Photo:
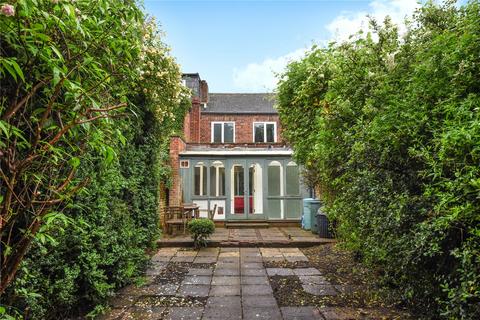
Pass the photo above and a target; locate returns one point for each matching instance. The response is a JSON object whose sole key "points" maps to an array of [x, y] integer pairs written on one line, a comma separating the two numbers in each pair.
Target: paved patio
{"points": [[221, 283], [268, 237]]}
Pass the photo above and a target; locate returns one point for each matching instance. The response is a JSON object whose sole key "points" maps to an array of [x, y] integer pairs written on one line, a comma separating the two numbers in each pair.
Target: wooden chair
{"points": [[175, 217], [211, 213]]}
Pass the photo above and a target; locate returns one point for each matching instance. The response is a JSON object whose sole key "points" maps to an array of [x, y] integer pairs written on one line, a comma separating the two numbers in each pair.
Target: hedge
{"points": [[388, 126]]}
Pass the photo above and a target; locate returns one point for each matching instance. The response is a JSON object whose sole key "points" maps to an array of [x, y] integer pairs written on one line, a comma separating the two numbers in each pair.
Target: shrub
{"points": [[390, 125], [90, 97], [201, 229]]}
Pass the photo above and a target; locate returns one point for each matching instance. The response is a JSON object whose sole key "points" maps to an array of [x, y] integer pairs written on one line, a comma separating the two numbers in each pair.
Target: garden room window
{"points": [[293, 183], [264, 132], [223, 132], [200, 179], [275, 183], [217, 179]]}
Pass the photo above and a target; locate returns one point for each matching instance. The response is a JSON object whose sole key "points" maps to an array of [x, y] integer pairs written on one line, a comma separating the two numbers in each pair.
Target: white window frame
{"points": [[223, 130], [265, 131], [202, 192], [217, 165], [184, 164]]}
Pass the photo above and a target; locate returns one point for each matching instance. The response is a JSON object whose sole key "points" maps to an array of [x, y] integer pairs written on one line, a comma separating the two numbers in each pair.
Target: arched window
{"points": [[217, 179], [293, 181], [200, 179], [275, 183]]}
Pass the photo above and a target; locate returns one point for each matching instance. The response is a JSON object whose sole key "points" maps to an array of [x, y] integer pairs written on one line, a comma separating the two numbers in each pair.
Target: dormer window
{"points": [[223, 132], [265, 132]]}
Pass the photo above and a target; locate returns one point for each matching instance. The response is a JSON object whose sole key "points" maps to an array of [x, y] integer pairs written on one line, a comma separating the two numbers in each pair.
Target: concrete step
{"points": [[246, 225]]}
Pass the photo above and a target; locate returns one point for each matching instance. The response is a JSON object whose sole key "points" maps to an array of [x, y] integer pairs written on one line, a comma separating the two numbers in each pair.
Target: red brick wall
{"points": [[177, 145], [243, 125], [195, 121]]}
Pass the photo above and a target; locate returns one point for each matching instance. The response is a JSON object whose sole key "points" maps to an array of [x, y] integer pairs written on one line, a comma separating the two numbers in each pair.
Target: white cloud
{"points": [[260, 76], [348, 23]]}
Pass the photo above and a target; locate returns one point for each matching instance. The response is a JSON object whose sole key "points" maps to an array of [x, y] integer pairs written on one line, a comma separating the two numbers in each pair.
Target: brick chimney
{"points": [[194, 113], [203, 91]]}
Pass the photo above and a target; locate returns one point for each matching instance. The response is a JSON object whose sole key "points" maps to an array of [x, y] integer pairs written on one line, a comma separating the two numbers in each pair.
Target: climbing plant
{"points": [[89, 97]]}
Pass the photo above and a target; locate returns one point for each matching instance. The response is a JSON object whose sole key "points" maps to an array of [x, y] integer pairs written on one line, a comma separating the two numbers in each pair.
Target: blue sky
{"points": [[237, 46]]}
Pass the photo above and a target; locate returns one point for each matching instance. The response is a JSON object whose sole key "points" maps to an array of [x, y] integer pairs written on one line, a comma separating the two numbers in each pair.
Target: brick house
{"points": [[231, 154]]}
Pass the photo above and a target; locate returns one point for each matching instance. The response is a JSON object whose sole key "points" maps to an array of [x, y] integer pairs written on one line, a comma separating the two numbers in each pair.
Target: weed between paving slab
{"points": [[288, 291], [170, 301]]}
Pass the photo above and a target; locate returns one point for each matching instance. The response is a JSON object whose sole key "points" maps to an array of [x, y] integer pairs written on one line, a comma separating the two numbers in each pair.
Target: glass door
{"points": [[255, 190], [238, 205], [246, 190]]}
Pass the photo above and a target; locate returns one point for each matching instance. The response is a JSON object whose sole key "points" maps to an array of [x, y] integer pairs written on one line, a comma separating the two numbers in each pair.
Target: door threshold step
{"points": [[250, 225]]}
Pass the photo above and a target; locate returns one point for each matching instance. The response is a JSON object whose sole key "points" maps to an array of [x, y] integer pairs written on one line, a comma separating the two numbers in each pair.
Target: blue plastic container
{"points": [[307, 214]]}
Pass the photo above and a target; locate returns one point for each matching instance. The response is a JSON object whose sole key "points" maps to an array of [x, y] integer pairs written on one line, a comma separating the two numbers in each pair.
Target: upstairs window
{"points": [[264, 132], [223, 132]]}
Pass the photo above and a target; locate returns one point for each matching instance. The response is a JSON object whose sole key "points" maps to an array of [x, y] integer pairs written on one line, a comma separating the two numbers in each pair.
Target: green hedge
{"points": [[87, 150], [389, 128]]}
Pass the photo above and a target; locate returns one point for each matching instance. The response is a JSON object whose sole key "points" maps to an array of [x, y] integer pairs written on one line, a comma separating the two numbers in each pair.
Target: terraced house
{"points": [[232, 155]]}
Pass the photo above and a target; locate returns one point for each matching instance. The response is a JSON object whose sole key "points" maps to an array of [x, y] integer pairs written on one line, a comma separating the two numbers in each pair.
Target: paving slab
{"points": [[184, 313], [216, 313], [254, 280], [234, 302], [296, 258], [167, 289], [257, 259], [338, 313], [252, 265], [267, 313], [272, 237], [197, 280], [228, 264], [222, 308], [306, 272], [320, 289], [225, 280], [193, 290], [279, 272], [205, 259], [183, 259], [259, 301], [223, 291], [143, 313], [301, 313], [256, 289], [313, 280], [226, 272], [254, 272], [186, 253], [200, 272]]}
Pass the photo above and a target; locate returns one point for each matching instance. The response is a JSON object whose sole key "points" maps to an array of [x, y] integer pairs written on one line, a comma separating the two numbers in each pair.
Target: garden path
{"points": [[236, 283]]}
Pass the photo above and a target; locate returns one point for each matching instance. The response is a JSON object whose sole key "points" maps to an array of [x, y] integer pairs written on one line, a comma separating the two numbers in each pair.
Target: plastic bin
{"points": [[323, 225], [307, 214], [314, 207]]}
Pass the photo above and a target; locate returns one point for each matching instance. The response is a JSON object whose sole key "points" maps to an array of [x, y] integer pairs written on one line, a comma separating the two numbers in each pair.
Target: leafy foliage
{"points": [[389, 128], [201, 230], [89, 99]]}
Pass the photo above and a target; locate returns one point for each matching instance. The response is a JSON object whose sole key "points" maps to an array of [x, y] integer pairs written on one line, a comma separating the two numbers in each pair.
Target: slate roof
{"points": [[244, 103]]}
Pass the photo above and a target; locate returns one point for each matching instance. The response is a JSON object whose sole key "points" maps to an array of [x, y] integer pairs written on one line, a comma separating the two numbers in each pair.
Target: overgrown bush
{"points": [[201, 230], [390, 126], [89, 98]]}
